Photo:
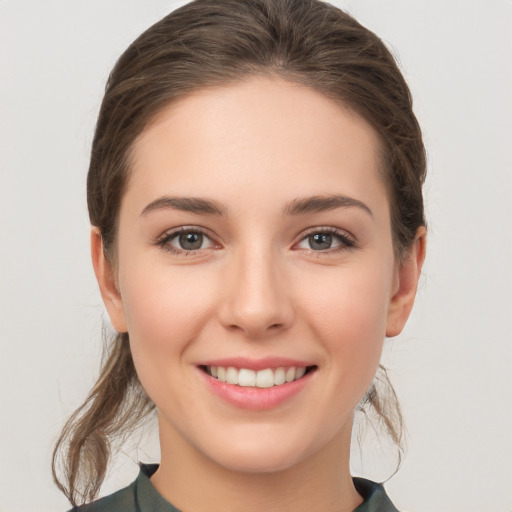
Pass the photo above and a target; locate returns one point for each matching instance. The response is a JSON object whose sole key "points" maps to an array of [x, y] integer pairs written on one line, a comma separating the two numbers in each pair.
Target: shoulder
{"points": [[120, 501], [139, 495], [374, 495]]}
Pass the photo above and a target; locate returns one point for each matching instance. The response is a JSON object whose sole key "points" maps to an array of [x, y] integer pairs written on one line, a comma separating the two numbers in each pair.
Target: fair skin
{"points": [[264, 274]]}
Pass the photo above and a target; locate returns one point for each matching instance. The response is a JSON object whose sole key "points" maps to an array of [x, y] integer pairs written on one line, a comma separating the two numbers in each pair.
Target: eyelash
{"points": [[346, 241], [167, 237]]}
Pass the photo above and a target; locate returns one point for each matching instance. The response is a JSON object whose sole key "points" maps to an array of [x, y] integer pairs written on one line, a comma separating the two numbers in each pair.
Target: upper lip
{"points": [[256, 364]]}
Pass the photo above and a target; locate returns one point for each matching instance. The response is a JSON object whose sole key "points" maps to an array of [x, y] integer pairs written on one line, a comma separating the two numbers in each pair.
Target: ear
{"points": [[107, 281], [406, 284]]}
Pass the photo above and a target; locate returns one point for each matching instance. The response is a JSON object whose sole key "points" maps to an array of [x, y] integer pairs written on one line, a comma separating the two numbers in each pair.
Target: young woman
{"points": [[258, 230]]}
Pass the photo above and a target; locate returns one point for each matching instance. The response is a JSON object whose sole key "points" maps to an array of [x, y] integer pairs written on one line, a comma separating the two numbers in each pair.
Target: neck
{"points": [[191, 481]]}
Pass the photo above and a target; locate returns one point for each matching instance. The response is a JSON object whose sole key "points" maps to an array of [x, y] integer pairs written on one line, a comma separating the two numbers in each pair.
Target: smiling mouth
{"points": [[265, 378]]}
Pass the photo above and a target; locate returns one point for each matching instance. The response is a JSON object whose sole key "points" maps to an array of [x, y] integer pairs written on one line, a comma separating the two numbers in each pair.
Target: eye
{"points": [[190, 241], [326, 240], [185, 240]]}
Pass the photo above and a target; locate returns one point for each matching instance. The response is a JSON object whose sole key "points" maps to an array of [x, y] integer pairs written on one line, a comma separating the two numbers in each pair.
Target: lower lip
{"points": [[253, 398]]}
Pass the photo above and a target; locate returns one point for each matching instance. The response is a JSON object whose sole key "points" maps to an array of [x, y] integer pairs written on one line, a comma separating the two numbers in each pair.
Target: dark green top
{"points": [[141, 496]]}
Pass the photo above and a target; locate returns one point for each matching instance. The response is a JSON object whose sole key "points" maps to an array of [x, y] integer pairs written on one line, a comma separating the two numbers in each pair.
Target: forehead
{"points": [[262, 135]]}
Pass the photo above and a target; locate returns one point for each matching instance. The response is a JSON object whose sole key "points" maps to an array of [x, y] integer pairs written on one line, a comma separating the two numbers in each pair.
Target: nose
{"points": [[256, 299]]}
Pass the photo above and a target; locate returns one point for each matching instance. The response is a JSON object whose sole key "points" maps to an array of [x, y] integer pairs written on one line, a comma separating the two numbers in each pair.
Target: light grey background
{"points": [[452, 365]]}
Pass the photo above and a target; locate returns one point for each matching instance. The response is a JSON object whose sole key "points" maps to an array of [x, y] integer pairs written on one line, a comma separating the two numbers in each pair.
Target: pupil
{"points": [[191, 241], [320, 241]]}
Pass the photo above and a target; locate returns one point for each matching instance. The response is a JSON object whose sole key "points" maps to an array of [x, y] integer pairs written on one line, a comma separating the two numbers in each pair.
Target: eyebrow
{"points": [[298, 206], [316, 204], [187, 204]]}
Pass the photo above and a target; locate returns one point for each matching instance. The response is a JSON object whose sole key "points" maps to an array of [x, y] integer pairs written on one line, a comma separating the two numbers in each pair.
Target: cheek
{"points": [[165, 311], [349, 315], [352, 300]]}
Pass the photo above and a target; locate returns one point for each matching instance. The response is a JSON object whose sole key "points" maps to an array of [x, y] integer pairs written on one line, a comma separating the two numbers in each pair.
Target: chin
{"points": [[247, 462], [262, 453]]}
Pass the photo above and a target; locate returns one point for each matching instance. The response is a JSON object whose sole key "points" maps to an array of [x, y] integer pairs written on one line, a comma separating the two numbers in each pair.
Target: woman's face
{"points": [[254, 245]]}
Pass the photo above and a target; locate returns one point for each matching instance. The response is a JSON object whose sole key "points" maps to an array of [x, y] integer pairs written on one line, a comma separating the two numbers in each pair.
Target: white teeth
{"points": [[232, 375], [299, 372], [290, 374], [261, 379], [279, 377], [246, 378], [265, 378]]}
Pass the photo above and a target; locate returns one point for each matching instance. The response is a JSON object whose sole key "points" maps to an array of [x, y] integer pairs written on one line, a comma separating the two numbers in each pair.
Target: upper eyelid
{"points": [[326, 229], [169, 233]]}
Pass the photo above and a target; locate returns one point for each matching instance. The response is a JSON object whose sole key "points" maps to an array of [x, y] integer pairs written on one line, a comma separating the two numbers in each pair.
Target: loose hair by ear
{"points": [[381, 410], [210, 43], [116, 405]]}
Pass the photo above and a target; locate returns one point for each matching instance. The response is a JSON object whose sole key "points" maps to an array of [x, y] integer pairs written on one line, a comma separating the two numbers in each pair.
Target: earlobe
{"points": [[105, 275], [406, 285]]}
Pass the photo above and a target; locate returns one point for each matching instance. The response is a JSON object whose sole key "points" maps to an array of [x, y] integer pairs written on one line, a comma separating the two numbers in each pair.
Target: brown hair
{"points": [[208, 43]]}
